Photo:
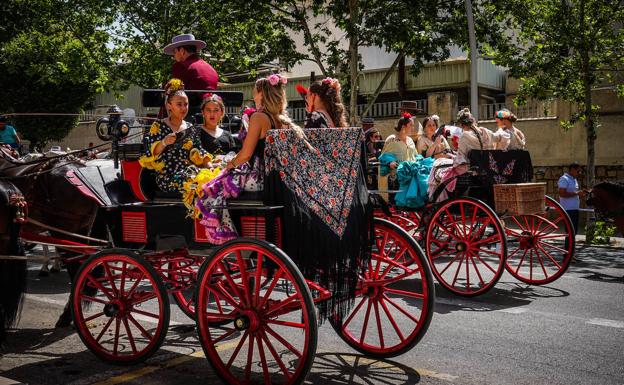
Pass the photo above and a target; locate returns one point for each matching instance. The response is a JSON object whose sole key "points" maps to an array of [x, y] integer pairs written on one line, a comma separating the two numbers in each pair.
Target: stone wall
{"points": [[551, 174]]}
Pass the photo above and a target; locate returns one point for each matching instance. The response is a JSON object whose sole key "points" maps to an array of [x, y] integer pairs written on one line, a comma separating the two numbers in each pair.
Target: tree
{"points": [[240, 36], [54, 59], [423, 30], [562, 49]]}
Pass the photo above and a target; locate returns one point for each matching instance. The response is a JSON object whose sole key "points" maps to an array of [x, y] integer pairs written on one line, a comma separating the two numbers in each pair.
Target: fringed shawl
{"points": [[327, 220]]}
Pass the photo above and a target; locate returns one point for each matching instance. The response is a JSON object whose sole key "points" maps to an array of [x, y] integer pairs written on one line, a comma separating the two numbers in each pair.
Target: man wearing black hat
{"points": [[189, 67]]}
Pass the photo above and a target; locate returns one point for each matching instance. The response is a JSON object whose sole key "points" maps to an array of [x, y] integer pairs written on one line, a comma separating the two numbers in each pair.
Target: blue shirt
{"points": [[8, 135], [570, 184]]}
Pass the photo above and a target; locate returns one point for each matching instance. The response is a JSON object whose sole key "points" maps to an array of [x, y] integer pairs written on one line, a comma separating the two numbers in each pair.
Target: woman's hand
{"points": [[393, 165], [169, 139], [230, 165]]}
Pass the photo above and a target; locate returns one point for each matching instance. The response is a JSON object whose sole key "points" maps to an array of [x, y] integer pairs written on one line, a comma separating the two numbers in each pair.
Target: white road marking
{"points": [[606, 322]]}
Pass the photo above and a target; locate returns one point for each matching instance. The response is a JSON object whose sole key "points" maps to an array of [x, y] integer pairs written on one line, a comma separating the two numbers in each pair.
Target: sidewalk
{"points": [[616, 242]]}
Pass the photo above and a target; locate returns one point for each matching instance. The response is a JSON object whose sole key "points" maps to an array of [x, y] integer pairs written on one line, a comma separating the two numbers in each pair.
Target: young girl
{"points": [[170, 145], [245, 171], [214, 139], [505, 120], [324, 105]]}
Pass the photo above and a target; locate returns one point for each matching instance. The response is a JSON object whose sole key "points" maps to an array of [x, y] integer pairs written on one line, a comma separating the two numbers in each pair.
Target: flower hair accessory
{"points": [[503, 114], [332, 82], [211, 96], [407, 115], [276, 79], [435, 117], [173, 86], [248, 111]]}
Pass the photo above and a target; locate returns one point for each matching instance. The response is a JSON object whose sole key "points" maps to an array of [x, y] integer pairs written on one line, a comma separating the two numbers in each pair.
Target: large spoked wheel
{"points": [[120, 307], [466, 246], [394, 299], [270, 328], [541, 247]]}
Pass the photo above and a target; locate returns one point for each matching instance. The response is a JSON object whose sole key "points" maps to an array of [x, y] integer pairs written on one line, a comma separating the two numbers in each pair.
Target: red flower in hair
{"points": [[407, 115], [301, 90], [248, 111], [207, 95]]}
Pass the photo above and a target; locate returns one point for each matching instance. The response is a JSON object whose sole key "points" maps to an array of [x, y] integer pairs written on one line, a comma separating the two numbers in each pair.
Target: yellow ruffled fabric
{"points": [[151, 162], [193, 189], [154, 129], [196, 157]]}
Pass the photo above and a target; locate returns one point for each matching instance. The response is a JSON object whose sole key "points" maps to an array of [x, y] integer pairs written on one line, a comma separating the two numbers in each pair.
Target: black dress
{"points": [[220, 145]]}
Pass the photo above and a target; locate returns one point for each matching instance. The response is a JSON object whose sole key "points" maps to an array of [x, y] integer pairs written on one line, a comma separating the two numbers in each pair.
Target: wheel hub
{"points": [[461, 247], [248, 320], [111, 309], [527, 240]]}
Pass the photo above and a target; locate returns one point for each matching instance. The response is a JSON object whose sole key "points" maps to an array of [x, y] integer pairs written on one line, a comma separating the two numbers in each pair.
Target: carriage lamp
{"points": [[112, 127]]}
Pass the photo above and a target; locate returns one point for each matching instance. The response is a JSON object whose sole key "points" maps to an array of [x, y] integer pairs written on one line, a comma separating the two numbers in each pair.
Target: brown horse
{"points": [[52, 200], [607, 198]]}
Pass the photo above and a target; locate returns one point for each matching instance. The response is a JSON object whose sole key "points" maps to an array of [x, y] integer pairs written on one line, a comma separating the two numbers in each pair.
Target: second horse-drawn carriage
{"points": [[494, 220]]}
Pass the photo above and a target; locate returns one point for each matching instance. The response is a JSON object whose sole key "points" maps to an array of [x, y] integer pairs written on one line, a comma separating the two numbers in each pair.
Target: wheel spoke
{"points": [[237, 349], [249, 358], [265, 369], [276, 357], [397, 330], [224, 336], [366, 317], [144, 332], [145, 297], [549, 256], [455, 258], [461, 262], [484, 263], [354, 312], [147, 314], [450, 234], [539, 259], [110, 278], [258, 276], [230, 281], [284, 342], [245, 278], [97, 315], [98, 285], [267, 294], [399, 308], [405, 293], [553, 247], [116, 342], [379, 332], [104, 329], [477, 270], [521, 260], [280, 305], [130, 337], [92, 299], [287, 323]]}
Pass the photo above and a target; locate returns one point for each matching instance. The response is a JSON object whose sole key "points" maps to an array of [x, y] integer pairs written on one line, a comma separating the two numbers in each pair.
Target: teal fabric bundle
{"points": [[413, 177]]}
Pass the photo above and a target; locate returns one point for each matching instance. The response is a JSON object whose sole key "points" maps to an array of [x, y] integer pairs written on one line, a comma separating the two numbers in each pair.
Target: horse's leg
{"points": [[56, 263], [45, 271], [65, 319]]}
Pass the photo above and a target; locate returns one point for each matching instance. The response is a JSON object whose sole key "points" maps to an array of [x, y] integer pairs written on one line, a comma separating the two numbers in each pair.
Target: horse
{"points": [[13, 268], [607, 198], [52, 200]]}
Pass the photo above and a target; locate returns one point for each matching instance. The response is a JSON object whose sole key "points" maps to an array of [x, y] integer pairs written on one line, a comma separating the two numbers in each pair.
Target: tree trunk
{"points": [[383, 82], [353, 60], [590, 128]]}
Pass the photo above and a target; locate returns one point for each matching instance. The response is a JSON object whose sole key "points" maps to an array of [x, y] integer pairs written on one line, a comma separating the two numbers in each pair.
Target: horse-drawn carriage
{"points": [[493, 221], [254, 310]]}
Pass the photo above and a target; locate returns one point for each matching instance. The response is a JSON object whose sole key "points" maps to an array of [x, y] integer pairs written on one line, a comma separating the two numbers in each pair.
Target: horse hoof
{"points": [[44, 273], [63, 322]]}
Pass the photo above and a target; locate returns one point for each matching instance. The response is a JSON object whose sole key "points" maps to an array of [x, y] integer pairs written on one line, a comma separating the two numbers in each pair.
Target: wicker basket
{"points": [[520, 198]]}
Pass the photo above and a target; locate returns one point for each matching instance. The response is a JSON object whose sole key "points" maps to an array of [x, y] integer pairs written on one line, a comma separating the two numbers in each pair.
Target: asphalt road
{"points": [[568, 332]]}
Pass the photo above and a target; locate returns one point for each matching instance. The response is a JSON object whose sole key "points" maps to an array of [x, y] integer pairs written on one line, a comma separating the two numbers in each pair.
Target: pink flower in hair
{"points": [[274, 79]]}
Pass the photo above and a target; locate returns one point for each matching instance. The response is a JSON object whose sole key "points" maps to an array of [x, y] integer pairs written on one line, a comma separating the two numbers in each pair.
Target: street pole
{"points": [[472, 40]]}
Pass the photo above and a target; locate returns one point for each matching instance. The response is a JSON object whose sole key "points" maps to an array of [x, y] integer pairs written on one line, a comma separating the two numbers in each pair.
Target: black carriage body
{"points": [[161, 225]]}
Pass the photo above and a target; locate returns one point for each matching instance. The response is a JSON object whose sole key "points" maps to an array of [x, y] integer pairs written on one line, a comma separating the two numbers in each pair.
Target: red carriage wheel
{"points": [[407, 220], [541, 247], [183, 272], [120, 307], [269, 327], [394, 299], [466, 246]]}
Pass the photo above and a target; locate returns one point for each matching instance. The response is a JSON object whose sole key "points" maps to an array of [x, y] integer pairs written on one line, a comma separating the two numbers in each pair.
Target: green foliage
{"points": [[240, 36], [54, 59], [559, 48], [600, 233]]}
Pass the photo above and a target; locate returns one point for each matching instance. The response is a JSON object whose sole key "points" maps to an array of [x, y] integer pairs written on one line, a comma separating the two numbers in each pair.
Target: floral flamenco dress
{"points": [[229, 184], [175, 165]]}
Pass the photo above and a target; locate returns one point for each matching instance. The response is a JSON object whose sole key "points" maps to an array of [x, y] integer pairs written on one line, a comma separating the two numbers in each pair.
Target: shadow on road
{"points": [[347, 368], [590, 260]]}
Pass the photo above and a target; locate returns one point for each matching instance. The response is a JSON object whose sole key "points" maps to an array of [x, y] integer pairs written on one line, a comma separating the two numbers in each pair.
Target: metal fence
{"points": [[531, 110], [377, 110]]}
